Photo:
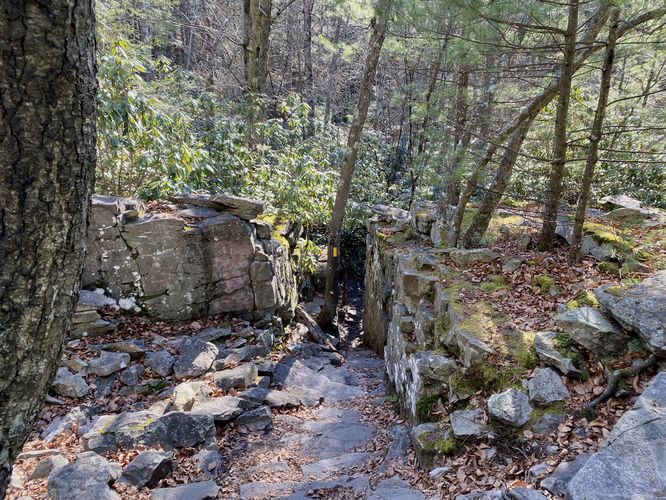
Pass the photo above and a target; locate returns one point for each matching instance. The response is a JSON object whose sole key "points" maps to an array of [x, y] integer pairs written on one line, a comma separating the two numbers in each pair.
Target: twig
{"points": [[613, 380]]}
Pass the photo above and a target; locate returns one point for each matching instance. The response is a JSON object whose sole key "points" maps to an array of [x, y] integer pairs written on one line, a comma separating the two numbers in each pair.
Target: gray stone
{"points": [[131, 375], [640, 308], [536, 472], [87, 477], [188, 394], [426, 439], [180, 430], [69, 384], [272, 398], [104, 386], [29, 455], [433, 366], [239, 377], [632, 463], [223, 409], [558, 481], [546, 387], [259, 419], [134, 348], [339, 433], [438, 472], [108, 363], [147, 468], [399, 444], [198, 212], [214, 333], [523, 493], [204, 490], [486, 495], [468, 423], [467, 258], [196, 357], [512, 264], [298, 375], [546, 351], [46, 465], [324, 467], [209, 462], [356, 486], [591, 329], [619, 201], [394, 488], [94, 300], [263, 489], [160, 362], [77, 416], [511, 407], [548, 423]]}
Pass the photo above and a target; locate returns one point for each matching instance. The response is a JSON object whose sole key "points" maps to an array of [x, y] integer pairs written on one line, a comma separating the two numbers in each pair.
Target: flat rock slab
{"points": [[632, 463], [394, 489], [223, 409], [356, 486], [196, 358], [87, 477], [324, 467], [204, 490], [108, 363], [295, 374], [546, 351], [263, 489], [640, 308]]}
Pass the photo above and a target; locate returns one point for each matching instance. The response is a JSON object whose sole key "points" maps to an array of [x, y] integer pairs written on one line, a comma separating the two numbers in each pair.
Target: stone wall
{"points": [[201, 255]]}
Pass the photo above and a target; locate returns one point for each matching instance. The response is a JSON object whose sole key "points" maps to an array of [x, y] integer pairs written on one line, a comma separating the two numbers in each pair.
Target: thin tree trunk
{"points": [[452, 190], [308, 5], [47, 161], [553, 194], [353, 139], [595, 138], [479, 224], [333, 69]]}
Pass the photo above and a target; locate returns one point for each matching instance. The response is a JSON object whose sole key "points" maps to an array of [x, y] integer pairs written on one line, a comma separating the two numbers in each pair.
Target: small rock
{"points": [[69, 384], [400, 443], [260, 419], [548, 423], [439, 472], [213, 333], [511, 407], [204, 490], [131, 375], [522, 493], [160, 362], [557, 482], [77, 416], [240, 377], [104, 386], [536, 472], [209, 462], [134, 348], [147, 468], [223, 409], [512, 264], [180, 430], [467, 258], [546, 351], [108, 363], [546, 387], [272, 398], [468, 423], [431, 443], [46, 465], [188, 394], [591, 329], [196, 358], [77, 365], [87, 477]]}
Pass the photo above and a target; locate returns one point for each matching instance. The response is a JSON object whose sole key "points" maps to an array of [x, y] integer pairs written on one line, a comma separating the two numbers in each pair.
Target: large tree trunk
{"points": [[257, 25], [353, 139], [560, 134], [47, 161], [595, 138]]}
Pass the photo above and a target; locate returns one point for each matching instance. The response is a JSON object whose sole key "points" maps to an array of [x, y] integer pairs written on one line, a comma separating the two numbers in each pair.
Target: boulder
{"points": [[546, 387], [548, 423], [204, 490], [639, 308], [108, 363], [431, 443], [180, 430], [131, 375], [196, 357], [619, 201], [188, 394], [632, 462], [546, 351], [160, 362], [511, 407], [468, 423], [591, 329], [433, 366], [272, 398], [89, 476], [147, 468], [69, 384], [470, 257]]}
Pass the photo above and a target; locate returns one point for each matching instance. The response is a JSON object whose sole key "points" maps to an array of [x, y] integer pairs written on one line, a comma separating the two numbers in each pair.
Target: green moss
{"points": [[545, 283], [525, 354], [493, 284], [608, 235], [485, 377], [584, 298], [540, 411], [563, 343], [609, 268], [446, 446], [424, 408]]}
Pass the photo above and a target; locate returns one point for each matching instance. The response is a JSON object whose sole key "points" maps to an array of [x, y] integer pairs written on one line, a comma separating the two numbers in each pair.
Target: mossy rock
{"points": [[608, 267], [493, 284], [424, 408], [584, 298], [544, 283]]}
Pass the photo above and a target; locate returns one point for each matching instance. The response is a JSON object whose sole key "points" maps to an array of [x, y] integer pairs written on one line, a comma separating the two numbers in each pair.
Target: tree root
{"points": [[614, 379]]}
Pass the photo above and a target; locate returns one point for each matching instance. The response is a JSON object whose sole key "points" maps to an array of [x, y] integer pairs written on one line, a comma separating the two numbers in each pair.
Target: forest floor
{"points": [[355, 444]]}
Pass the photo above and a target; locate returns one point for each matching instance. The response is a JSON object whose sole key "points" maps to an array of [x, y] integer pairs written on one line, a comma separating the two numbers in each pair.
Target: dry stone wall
{"points": [[200, 255]]}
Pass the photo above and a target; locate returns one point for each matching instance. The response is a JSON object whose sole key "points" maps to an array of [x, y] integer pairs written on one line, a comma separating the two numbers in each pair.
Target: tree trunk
{"points": [[595, 138], [560, 134], [257, 25], [349, 163], [308, 5], [47, 163], [479, 224]]}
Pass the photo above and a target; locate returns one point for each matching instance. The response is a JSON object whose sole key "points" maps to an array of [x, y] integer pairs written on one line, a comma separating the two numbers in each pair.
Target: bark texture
{"points": [[560, 133], [595, 138], [47, 162], [349, 163]]}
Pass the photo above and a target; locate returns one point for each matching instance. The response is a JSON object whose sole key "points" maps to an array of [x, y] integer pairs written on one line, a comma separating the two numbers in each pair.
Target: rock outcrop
{"points": [[205, 255]]}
